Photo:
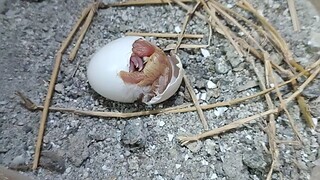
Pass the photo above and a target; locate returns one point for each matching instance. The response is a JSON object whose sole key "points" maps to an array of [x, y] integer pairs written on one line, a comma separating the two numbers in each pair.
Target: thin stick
{"points": [[301, 88], [185, 46], [224, 28], [50, 92], [291, 121], [83, 16], [196, 103], [294, 16], [27, 103], [276, 37], [46, 109], [188, 8], [83, 31], [271, 127], [164, 35], [185, 23], [225, 128], [139, 3]]}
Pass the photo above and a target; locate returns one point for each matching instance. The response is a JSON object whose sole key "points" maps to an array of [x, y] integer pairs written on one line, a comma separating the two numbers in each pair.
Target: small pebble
{"points": [[19, 160], [203, 96], [170, 137], [177, 29], [59, 88], [161, 123], [211, 85], [104, 167], [219, 111], [205, 53]]}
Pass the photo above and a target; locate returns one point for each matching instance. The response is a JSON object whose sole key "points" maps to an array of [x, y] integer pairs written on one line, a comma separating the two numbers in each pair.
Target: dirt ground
{"points": [[84, 147]]}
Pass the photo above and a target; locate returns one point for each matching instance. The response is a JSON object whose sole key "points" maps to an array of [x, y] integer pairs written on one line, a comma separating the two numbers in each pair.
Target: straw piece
{"points": [[273, 81], [50, 92], [185, 46], [83, 31], [164, 35], [28, 104], [225, 29], [140, 3], [196, 103], [275, 35], [294, 16], [304, 85], [46, 109], [188, 8], [225, 128], [185, 23]]}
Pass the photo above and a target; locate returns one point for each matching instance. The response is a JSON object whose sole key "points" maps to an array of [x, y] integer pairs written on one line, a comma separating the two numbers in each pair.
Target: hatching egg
{"points": [[130, 69]]}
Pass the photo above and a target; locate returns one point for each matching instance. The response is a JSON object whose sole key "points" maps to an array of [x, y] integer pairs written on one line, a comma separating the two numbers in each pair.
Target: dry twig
{"points": [[85, 27], [294, 16], [53, 79], [164, 35], [196, 103]]}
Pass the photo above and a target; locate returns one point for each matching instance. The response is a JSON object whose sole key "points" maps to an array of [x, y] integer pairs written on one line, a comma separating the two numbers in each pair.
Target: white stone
{"points": [[161, 123], [219, 111], [177, 29], [214, 176], [211, 85], [170, 137], [315, 122], [104, 167], [203, 96], [178, 166], [186, 157], [205, 52], [198, 96], [204, 162]]}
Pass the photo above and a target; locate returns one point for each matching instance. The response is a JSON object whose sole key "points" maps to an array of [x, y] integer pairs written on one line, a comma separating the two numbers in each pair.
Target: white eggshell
{"points": [[104, 67]]}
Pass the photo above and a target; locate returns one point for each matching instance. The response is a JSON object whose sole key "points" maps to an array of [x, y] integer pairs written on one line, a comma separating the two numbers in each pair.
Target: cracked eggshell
{"points": [[104, 67]]}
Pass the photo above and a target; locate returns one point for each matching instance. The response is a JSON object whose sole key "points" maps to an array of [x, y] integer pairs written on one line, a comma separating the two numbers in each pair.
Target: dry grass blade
{"points": [[32, 106], [28, 104], [184, 46], [276, 37], [281, 44], [45, 111], [83, 31], [164, 35], [188, 8], [304, 85], [273, 81], [140, 2], [196, 103], [217, 6], [185, 23], [226, 31], [53, 79], [294, 16], [184, 140]]}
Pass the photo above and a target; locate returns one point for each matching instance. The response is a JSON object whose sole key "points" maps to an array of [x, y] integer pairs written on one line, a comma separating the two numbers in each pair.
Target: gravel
{"points": [[84, 147]]}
